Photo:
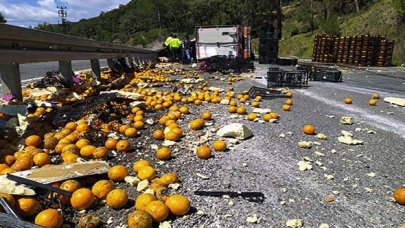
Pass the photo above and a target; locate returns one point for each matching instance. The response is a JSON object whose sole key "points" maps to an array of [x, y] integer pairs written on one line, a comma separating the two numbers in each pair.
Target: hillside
{"points": [[142, 22]]}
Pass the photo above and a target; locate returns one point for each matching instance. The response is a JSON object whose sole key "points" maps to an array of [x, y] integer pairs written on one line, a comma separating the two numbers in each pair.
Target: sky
{"points": [[27, 13]]}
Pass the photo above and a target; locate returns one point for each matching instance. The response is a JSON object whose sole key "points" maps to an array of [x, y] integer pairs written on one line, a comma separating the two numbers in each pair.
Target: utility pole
{"points": [[62, 13]]}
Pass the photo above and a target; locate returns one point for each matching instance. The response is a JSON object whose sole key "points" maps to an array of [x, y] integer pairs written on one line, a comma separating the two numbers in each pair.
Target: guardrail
{"points": [[21, 45]]}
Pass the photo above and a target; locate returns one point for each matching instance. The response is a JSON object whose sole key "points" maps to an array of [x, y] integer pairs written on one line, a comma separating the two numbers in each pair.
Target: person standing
{"points": [[166, 45], [186, 50], [175, 45]]}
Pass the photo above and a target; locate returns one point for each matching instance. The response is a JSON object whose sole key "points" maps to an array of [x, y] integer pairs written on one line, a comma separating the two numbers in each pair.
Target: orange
{"points": [[143, 200], [117, 173], [184, 110], [139, 125], [163, 153], [22, 164], [100, 152], [251, 116], [101, 188], [49, 218], [158, 135], [219, 145], [50, 143], [117, 198], [87, 151], [163, 120], [288, 102], [70, 158], [267, 117], [158, 210], [146, 172], [70, 147], [139, 164], [348, 100], [9, 198], [82, 199], [82, 142], [286, 107], [372, 102], [258, 98], [122, 128], [70, 186], [7, 170], [71, 126], [122, 145], [135, 109], [110, 143], [131, 132], [3, 166], [255, 104], [399, 195], [172, 136], [28, 206], [168, 178], [203, 152], [375, 96], [33, 140], [178, 204], [138, 118], [232, 109], [309, 129], [197, 124], [207, 116], [241, 110], [233, 103], [289, 94], [41, 159], [82, 127], [140, 219]]}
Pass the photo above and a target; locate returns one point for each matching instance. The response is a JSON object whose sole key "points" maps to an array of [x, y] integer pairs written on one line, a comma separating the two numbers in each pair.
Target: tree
{"points": [[2, 19]]}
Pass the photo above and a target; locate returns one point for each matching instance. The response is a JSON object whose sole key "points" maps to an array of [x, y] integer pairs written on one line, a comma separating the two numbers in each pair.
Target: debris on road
{"points": [[395, 101], [347, 120], [305, 144], [295, 223], [235, 130], [304, 166], [347, 138]]}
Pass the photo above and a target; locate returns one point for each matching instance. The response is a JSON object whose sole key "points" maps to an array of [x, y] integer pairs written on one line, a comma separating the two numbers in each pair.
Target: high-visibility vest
{"points": [[175, 43], [167, 42]]}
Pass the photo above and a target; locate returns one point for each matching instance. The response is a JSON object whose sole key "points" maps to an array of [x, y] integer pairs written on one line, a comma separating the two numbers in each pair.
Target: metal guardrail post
{"points": [[131, 62], [65, 67], [95, 67], [10, 74]]}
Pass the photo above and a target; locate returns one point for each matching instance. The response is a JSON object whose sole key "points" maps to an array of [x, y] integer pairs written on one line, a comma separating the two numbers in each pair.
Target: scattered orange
{"points": [[372, 102], [122, 145], [101, 188], [122, 128], [348, 100], [163, 153], [49, 218], [3, 166], [7, 170], [82, 127], [375, 96], [289, 94], [309, 129], [288, 102], [9, 198], [33, 140], [87, 151], [158, 135], [219, 145], [172, 136], [117, 198], [140, 219], [233, 103], [131, 132], [232, 109], [71, 126], [70, 186], [207, 115], [178, 204], [82, 199], [286, 107], [41, 159], [197, 124], [143, 200], [139, 164], [70, 158], [139, 125], [28, 206], [203, 152], [399, 195], [118, 173], [241, 110], [168, 178], [158, 210], [184, 110], [24, 163], [100, 152], [146, 172], [255, 104], [82, 142], [251, 116], [110, 143]]}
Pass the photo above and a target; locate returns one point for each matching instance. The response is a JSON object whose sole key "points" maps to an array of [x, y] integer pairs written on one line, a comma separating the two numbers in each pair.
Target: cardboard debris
{"points": [[395, 101], [55, 173], [192, 80], [321, 136], [304, 166], [235, 130], [215, 89], [346, 120], [262, 110], [126, 95], [294, 223], [347, 138], [305, 144], [11, 187], [140, 104], [252, 219], [224, 101]]}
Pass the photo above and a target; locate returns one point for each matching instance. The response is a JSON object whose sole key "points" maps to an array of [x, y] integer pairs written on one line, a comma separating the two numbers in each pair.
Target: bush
{"points": [[400, 7], [330, 26]]}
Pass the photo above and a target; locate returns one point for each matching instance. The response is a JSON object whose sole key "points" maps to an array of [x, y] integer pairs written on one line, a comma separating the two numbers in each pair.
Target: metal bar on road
{"points": [[95, 67]]}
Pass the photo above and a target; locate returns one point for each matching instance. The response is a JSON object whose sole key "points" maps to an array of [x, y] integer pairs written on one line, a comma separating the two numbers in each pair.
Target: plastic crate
{"points": [[329, 75]]}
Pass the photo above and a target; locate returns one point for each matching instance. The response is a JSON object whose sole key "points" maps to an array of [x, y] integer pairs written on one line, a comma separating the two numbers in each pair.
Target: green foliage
{"points": [[400, 7], [2, 19], [330, 25]]}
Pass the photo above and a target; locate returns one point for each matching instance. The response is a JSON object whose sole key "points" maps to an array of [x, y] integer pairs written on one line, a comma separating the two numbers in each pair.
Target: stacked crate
{"points": [[362, 50]]}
